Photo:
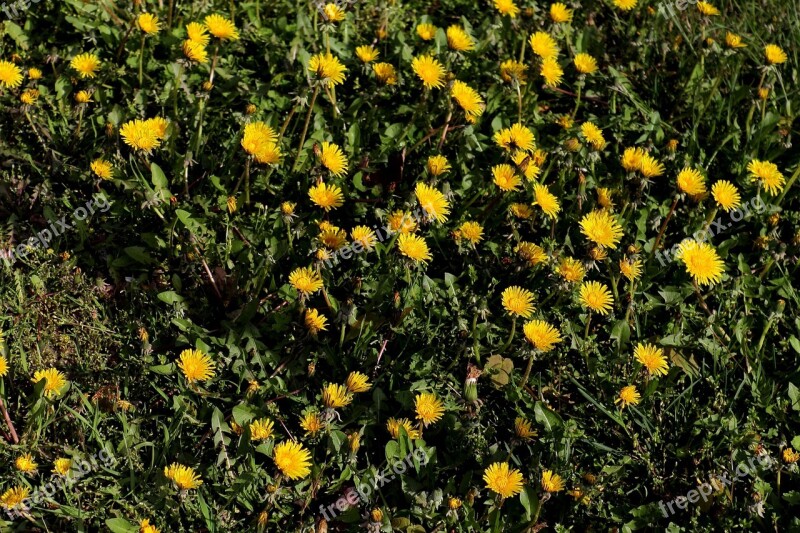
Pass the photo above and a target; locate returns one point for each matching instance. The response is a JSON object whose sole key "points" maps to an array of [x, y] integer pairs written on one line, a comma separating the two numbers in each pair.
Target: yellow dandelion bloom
{"points": [[458, 39], [195, 51], [593, 135], [790, 456], [305, 280], [335, 396], [515, 137], [402, 221], [552, 482], [292, 459], [518, 301], [10, 75], [34, 74], [14, 497], [628, 396], [525, 163], [774, 54], [83, 97], [148, 23], [543, 45], [311, 423], [393, 425], [650, 167], [625, 5], [471, 231], [767, 174], [432, 202], [546, 200], [429, 70], [86, 64], [532, 253], [385, 73], [559, 13], [523, 428], [506, 7], [333, 13], [3, 366], [102, 168], [468, 98], [707, 9], [62, 466], [585, 64], [541, 335], [146, 527], [571, 270], [327, 67], [184, 477], [261, 429], [315, 322], [726, 195], [652, 358], [365, 236], [733, 41], [551, 71], [196, 365], [414, 247], [512, 70], [632, 159], [55, 381], [601, 228], [503, 480], [140, 135], [428, 407], [691, 182], [25, 464], [29, 96], [326, 196], [523, 211], [505, 177], [358, 382], [437, 165], [332, 158], [596, 296], [426, 32], [366, 53], [197, 33], [631, 269], [221, 28], [701, 261]]}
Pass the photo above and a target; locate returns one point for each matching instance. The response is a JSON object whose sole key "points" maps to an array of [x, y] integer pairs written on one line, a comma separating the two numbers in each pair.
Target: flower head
{"points": [[650, 167], [432, 202], [55, 381], [625, 5], [530, 252], [471, 231], [184, 477], [516, 137], [305, 280], [333, 13], [85, 64], [385, 73], [358, 382], [315, 322], [148, 23], [366, 53], [511, 70], [628, 396], [327, 68], [426, 32], [503, 480], [596, 296], [29, 96], [195, 51], [546, 200], [429, 70], [468, 98], [734, 41], [312, 423], [707, 9], [393, 425], [552, 482], [541, 335], [364, 236], [332, 158], [593, 135], [602, 228], [652, 358], [221, 28], [14, 497], [146, 527], [335, 396], [196, 365], [3, 366], [518, 301], [428, 407], [326, 196], [523, 429], [701, 261], [292, 459], [551, 71], [25, 464], [790, 456], [543, 45], [585, 64], [458, 39], [774, 54], [437, 165], [10, 75], [691, 182], [631, 269], [726, 195], [62, 466], [402, 221], [505, 177], [102, 168], [140, 135], [767, 174], [559, 13], [197, 33], [414, 247], [571, 270]]}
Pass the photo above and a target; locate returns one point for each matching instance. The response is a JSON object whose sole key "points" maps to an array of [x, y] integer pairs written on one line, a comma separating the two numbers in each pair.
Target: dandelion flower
{"points": [[506, 7], [604, 198], [734, 41], [429, 70], [365, 236], [148, 23], [437, 165], [393, 425], [543, 45], [197, 33], [311, 423], [315, 322], [532, 253], [650, 167], [426, 32], [471, 231], [632, 159], [402, 221], [220, 27], [525, 163], [385, 73], [596, 296], [505, 177], [541, 335], [726, 195], [326, 196], [332, 158], [85, 64], [511, 70], [518, 301], [34, 73], [707, 9], [333, 13], [366, 53], [305, 280], [26, 464], [701, 261], [14, 497], [102, 168], [628, 396], [328, 69], [414, 247], [585, 64], [625, 5], [790, 456], [546, 200], [3, 366], [631, 269], [459, 40], [551, 71], [571, 270], [468, 98], [774, 54], [261, 429], [523, 429], [196, 365], [195, 51], [62, 466], [432, 202], [428, 407], [516, 137], [29, 96], [601, 228], [83, 97], [358, 382], [552, 482], [292, 459], [523, 211], [652, 358], [146, 527], [691, 182], [184, 477], [593, 135], [335, 396], [503, 480], [55, 381], [140, 135], [559, 13], [770, 177]]}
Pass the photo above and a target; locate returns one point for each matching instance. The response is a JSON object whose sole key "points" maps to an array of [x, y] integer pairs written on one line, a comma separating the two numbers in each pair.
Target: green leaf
{"points": [[794, 395], [547, 417], [120, 525]]}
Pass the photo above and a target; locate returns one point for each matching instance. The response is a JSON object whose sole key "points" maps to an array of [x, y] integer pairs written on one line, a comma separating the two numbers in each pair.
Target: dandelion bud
{"points": [[207, 86], [250, 109], [376, 515]]}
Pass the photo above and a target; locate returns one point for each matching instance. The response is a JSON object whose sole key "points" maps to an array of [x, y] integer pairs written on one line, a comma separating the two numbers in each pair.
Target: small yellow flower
{"points": [[335, 396], [625, 5], [195, 51], [3, 366], [146, 527], [515, 137], [767, 174], [512, 70], [707, 9], [652, 358], [85, 64], [790, 456], [650, 167], [197, 33], [774, 54], [102, 168], [428, 407], [221, 28], [315, 322], [366, 53], [311, 423], [471, 231], [628, 396], [414, 247], [559, 13], [26, 464], [505, 177], [506, 7], [585, 64], [358, 382], [55, 381], [29, 96], [523, 211], [141, 135], [726, 195], [148, 23], [631, 269], [503, 480], [518, 301], [14, 497], [543, 45], [393, 425], [332, 158], [701, 261], [532, 253], [691, 182], [546, 200], [184, 477], [429, 70], [292, 459], [326, 196], [458, 39], [437, 165], [468, 98], [261, 429], [733, 41], [432, 202], [333, 13], [83, 97], [593, 135], [305, 280], [402, 221], [552, 482], [453, 503], [34, 74], [601, 228], [551, 71], [541, 335], [596, 296], [365, 236], [196, 365], [522, 428], [385, 73], [426, 32], [328, 69]]}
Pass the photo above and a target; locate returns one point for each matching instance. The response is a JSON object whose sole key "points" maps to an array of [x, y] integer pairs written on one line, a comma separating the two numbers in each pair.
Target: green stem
{"points": [[141, 60], [247, 182], [305, 128], [510, 336]]}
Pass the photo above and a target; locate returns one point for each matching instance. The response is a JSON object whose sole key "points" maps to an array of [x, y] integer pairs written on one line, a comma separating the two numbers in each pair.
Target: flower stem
{"points": [[305, 128], [141, 60], [664, 226]]}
